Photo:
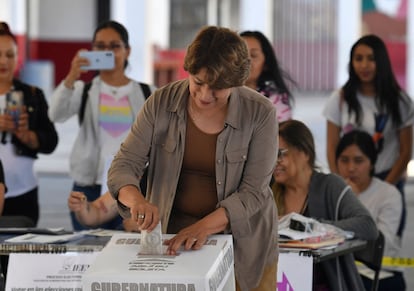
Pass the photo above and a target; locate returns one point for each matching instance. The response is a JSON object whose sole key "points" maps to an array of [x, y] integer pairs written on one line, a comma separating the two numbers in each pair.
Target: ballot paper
{"points": [[151, 242]]}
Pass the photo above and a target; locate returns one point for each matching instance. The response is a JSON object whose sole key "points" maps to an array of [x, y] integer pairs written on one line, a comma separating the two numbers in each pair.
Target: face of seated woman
{"points": [[355, 167], [291, 164]]}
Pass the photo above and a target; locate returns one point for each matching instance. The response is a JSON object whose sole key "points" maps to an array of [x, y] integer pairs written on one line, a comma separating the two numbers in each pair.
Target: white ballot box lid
{"points": [[120, 265]]}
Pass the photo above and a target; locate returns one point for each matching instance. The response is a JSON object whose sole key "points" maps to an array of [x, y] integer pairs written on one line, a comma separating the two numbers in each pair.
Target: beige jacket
{"points": [[245, 158]]}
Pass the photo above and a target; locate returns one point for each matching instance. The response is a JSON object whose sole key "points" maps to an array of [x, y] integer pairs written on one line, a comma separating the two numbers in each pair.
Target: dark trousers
{"points": [[92, 193], [23, 205]]}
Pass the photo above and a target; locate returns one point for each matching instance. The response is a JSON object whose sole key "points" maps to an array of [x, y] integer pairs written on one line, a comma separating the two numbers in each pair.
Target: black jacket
{"points": [[39, 122]]}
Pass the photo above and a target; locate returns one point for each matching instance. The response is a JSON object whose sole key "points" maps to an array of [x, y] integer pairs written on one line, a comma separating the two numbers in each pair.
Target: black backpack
{"points": [[145, 88]]}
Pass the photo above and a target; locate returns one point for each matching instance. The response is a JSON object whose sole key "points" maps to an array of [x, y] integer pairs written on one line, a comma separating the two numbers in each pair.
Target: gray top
{"points": [[332, 201]]}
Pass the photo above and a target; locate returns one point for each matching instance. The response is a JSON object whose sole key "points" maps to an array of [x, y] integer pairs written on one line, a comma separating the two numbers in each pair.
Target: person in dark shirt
{"points": [[26, 130]]}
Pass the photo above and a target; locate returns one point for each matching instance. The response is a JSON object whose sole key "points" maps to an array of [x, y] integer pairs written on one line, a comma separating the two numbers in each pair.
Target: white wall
{"points": [[257, 15], [349, 30], [14, 13], [62, 20]]}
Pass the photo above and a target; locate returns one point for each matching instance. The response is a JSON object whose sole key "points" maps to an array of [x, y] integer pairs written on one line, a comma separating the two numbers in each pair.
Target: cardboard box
{"points": [[119, 266]]}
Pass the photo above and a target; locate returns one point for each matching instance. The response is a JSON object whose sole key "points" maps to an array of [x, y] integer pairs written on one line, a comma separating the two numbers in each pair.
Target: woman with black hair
{"points": [[371, 100], [26, 132], [356, 156], [302, 188], [266, 76], [106, 111]]}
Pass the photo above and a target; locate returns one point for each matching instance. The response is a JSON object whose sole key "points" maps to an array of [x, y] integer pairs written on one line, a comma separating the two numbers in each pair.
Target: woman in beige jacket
{"points": [[211, 145]]}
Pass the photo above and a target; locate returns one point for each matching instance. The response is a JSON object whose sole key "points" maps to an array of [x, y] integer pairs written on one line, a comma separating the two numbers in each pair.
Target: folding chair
{"points": [[371, 257]]}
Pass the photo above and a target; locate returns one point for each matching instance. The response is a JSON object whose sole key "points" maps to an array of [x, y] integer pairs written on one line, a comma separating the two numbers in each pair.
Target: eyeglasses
{"points": [[113, 46], [281, 153]]}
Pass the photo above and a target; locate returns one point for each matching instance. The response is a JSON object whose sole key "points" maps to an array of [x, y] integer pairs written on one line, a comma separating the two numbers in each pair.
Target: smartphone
{"points": [[98, 60], [14, 104]]}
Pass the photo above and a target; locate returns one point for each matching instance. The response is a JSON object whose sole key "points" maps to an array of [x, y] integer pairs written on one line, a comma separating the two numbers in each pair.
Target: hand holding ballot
{"points": [[144, 213]]}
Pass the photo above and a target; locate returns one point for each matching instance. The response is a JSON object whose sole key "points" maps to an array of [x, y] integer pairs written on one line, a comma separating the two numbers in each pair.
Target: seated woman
{"points": [[355, 160], [302, 189]]}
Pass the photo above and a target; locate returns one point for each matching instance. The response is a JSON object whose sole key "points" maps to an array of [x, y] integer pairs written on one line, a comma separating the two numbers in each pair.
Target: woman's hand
{"points": [[191, 237], [7, 123], [194, 236], [75, 69], [77, 202], [142, 212], [22, 132]]}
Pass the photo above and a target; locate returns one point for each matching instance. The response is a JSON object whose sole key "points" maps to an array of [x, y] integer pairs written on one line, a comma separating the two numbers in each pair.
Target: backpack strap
{"points": [[146, 89], [83, 102]]}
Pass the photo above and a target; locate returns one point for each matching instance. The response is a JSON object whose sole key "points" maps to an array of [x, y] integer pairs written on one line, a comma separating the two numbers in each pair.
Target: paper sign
{"points": [[294, 272], [41, 272]]}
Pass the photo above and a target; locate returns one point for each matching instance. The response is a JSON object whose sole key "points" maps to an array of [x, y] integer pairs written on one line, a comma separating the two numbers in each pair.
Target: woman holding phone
{"points": [[25, 131], [106, 107]]}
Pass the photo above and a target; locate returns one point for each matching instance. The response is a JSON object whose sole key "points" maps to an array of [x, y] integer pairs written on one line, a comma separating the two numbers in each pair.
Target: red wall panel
{"points": [[60, 53]]}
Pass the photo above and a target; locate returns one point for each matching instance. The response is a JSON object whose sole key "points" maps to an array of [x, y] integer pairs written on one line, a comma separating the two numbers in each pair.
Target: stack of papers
{"points": [[298, 231], [312, 243], [44, 238], [23, 230]]}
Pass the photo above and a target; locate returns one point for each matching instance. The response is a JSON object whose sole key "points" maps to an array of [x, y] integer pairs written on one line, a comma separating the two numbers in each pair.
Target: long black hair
{"points": [[388, 91], [271, 70]]}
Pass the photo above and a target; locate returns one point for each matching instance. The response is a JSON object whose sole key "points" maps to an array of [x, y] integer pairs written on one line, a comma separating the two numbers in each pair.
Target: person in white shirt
{"points": [[372, 100], [355, 160], [106, 115]]}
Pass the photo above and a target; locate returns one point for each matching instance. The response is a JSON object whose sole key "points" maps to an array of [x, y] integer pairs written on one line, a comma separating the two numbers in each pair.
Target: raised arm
{"points": [[92, 213]]}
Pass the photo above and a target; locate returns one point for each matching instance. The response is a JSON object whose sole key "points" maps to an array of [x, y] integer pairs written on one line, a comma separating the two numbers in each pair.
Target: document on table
{"points": [[44, 238]]}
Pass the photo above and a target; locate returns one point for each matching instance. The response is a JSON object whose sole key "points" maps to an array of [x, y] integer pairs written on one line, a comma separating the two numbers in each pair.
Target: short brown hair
{"points": [[224, 55]]}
